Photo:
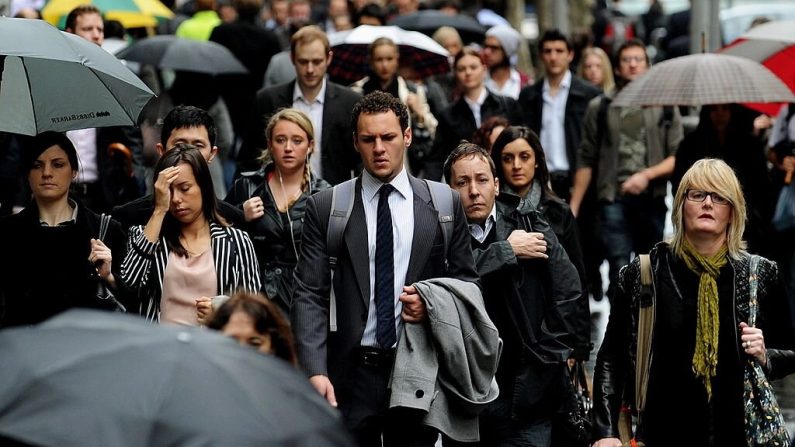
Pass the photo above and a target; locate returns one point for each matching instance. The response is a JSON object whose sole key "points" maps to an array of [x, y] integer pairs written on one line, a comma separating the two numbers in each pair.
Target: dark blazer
{"points": [[531, 105], [332, 354], [340, 159]]}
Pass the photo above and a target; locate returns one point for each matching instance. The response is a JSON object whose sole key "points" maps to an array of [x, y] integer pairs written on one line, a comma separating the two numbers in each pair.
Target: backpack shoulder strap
{"points": [[645, 329], [341, 206], [442, 198], [601, 119]]}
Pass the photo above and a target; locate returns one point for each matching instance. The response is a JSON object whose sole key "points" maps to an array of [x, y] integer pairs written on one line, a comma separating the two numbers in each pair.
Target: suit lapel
{"points": [[358, 245], [328, 115], [425, 226], [221, 246]]}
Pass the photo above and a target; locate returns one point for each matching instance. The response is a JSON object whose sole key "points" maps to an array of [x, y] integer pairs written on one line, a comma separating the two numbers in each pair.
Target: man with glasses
{"points": [[632, 150]]}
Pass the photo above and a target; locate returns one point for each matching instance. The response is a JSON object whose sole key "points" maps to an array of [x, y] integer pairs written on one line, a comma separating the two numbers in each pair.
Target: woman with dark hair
{"points": [[488, 132], [522, 170], [56, 257], [273, 200], [255, 321], [186, 253]]}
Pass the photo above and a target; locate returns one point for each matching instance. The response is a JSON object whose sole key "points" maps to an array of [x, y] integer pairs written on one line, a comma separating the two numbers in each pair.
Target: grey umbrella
{"points": [[176, 53], [700, 79], [90, 378], [52, 80]]}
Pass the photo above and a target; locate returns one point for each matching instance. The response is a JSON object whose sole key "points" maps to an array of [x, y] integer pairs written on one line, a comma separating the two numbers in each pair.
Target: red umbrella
{"points": [[773, 45]]}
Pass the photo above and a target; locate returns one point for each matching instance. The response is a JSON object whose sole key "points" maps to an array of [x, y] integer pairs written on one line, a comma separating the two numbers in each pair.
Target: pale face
{"points": [[186, 196], [518, 164], [311, 62], [492, 51], [382, 144], [470, 72], [51, 175], [593, 70], [196, 136], [241, 328], [280, 11], [705, 218], [384, 62], [90, 27], [300, 11], [632, 63], [556, 57], [289, 146], [471, 177]]}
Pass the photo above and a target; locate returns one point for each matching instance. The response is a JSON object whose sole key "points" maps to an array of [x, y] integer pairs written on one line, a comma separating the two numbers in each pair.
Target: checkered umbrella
{"points": [[773, 45], [700, 79], [351, 52]]}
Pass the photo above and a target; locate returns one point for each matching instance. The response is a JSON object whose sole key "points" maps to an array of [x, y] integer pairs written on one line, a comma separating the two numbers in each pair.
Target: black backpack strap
{"points": [[341, 206], [442, 198], [601, 119]]}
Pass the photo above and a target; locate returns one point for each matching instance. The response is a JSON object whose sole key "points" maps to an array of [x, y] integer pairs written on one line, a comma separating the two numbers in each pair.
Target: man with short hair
{"points": [[187, 125], [86, 21], [554, 108], [530, 288], [632, 150], [327, 105], [393, 239]]}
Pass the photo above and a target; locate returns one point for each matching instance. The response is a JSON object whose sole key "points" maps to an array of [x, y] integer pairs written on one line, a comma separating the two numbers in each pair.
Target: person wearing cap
{"points": [[499, 51]]}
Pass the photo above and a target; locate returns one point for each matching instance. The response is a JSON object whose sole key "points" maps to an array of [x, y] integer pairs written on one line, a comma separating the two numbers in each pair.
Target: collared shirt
{"points": [[401, 206], [476, 105], [72, 220], [314, 110], [85, 141], [481, 233], [510, 89], [553, 117]]}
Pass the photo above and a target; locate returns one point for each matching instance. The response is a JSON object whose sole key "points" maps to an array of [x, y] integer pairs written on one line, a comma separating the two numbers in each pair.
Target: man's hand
{"points": [[636, 184], [413, 306], [528, 245], [323, 386]]}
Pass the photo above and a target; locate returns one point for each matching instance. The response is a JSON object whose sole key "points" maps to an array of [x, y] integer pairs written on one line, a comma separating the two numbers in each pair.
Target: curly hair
{"points": [[379, 102]]}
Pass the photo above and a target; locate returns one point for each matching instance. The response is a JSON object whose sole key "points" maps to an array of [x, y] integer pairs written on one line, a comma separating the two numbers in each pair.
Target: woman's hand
{"points": [[204, 308], [253, 208], [163, 188], [753, 342], [607, 442], [102, 258]]}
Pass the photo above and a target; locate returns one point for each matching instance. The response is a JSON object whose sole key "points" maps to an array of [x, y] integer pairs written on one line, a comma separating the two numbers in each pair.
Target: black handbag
{"points": [[573, 423]]}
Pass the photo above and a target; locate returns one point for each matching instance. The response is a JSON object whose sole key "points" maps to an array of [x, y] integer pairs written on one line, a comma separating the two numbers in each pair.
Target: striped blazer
{"points": [[236, 265]]}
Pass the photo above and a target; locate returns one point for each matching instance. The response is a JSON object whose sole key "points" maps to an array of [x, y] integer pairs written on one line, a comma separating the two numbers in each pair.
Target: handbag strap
{"points": [[645, 329], [104, 223], [753, 281]]}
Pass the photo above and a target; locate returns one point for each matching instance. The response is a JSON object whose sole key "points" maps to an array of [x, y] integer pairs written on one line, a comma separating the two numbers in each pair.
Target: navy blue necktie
{"points": [[384, 272]]}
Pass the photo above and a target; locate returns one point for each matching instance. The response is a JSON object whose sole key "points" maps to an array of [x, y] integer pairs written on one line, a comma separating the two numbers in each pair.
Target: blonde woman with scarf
{"points": [[701, 339]]}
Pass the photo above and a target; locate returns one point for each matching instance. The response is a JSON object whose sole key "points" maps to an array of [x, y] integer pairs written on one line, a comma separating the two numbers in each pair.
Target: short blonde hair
{"points": [[446, 32], [608, 81], [711, 174]]}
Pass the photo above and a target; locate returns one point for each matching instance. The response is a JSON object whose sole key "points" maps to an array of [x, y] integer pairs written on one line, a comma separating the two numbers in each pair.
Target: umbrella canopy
{"points": [[351, 52], [91, 378], [52, 80], [175, 53], [700, 79], [773, 45], [131, 13], [429, 20]]}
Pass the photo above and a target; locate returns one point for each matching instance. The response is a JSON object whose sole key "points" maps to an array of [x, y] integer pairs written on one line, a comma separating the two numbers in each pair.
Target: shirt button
{"points": [[419, 394]]}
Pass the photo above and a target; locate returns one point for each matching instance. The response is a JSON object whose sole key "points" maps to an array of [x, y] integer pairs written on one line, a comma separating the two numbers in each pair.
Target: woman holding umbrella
{"points": [[187, 254], [56, 237], [273, 200]]}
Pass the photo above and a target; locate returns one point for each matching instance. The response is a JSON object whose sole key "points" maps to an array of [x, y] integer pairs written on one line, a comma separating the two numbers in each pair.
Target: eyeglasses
{"points": [[636, 59], [699, 195]]}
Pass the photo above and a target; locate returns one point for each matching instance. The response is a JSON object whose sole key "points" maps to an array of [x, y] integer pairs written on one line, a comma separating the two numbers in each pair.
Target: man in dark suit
{"points": [[392, 239], [188, 125], [554, 108], [327, 104]]}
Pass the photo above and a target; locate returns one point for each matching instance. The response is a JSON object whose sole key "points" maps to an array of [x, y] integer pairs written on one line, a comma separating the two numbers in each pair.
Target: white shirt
{"points": [[401, 206], [85, 141], [476, 105], [480, 233], [553, 133], [782, 131], [314, 110], [511, 88]]}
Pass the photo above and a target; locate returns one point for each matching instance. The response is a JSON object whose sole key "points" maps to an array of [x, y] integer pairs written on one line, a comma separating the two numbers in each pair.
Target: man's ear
{"points": [[497, 185], [160, 149], [213, 153], [407, 137]]}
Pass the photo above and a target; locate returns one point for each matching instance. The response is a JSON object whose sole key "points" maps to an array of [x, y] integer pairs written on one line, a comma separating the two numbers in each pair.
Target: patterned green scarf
{"points": [[705, 356]]}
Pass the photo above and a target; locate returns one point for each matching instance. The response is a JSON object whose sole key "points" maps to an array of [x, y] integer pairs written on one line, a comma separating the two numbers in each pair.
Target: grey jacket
{"points": [[447, 366]]}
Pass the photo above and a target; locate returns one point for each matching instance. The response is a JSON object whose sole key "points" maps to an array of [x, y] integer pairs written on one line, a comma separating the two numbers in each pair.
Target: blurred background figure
{"points": [[448, 38], [595, 67], [202, 23], [255, 321], [488, 132], [499, 51], [371, 14]]}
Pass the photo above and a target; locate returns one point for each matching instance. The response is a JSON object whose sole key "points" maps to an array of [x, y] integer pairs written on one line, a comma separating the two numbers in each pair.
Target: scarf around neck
{"points": [[705, 355]]}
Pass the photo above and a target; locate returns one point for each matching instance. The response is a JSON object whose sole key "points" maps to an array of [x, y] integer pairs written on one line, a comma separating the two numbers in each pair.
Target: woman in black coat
{"points": [[273, 200], [55, 259]]}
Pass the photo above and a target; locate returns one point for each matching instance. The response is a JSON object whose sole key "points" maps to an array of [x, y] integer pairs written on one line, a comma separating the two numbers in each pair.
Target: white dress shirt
{"points": [[476, 105], [553, 116], [480, 233], [510, 89], [85, 141], [401, 206], [314, 110]]}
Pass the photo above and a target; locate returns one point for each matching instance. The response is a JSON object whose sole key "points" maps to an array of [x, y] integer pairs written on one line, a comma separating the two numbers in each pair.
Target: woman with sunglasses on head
{"points": [[701, 339], [273, 200], [187, 253]]}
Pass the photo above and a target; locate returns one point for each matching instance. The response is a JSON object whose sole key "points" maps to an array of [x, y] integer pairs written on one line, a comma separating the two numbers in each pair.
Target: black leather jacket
{"points": [[277, 239], [614, 373]]}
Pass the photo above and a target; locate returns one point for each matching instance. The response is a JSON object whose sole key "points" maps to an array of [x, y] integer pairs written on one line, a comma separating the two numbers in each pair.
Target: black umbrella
{"points": [[176, 53], [88, 378], [429, 20]]}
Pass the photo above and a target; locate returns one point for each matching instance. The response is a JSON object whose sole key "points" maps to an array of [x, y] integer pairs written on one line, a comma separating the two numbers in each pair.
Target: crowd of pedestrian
{"points": [[424, 250]]}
